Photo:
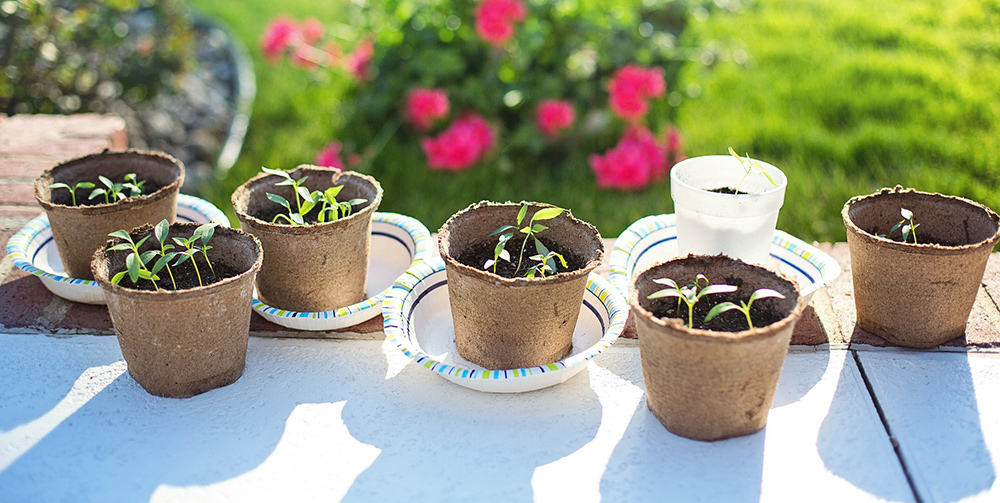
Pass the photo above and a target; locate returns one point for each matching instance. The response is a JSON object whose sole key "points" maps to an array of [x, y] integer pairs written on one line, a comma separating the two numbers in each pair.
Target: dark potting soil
{"points": [[185, 277], [62, 196], [312, 217], [762, 312], [477, 255], [723, 190]]}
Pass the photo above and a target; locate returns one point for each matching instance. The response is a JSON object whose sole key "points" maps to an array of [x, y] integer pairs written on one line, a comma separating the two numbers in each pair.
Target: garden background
{"points": [[845, 96]]}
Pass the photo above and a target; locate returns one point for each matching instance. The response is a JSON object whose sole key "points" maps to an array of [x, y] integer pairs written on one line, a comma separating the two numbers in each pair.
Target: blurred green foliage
{"points": [[844, 95], [66, 56]]}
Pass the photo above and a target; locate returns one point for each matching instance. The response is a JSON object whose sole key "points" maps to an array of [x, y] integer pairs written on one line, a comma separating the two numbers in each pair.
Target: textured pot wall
{"points": [[179, 344], [80, 230], [917, 295], [506, 323], [315, 267], [712, 385]]}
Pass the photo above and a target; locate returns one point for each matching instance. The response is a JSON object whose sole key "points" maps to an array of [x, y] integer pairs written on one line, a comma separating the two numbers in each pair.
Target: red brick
{"points": [[991, 278], [25, 166], [809, 330], [24, 213], [17, 192], [372, 326], [22, 301], [64, 136], [87, 317], [259, 324]]}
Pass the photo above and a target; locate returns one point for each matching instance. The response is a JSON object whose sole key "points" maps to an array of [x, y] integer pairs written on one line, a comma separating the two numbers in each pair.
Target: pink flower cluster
{"points": [[460, 146], [638, 159], [632, 87], [553, 116], [495, 20], [300, 42], [330, 156], [424, 106]]}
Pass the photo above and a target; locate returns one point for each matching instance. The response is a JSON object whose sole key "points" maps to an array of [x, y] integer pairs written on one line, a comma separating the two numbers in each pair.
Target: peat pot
{"points": [[707, 384], [738, 225], [509, 323], [917, 295], [184, 342], [79, 230], [317, 266]]}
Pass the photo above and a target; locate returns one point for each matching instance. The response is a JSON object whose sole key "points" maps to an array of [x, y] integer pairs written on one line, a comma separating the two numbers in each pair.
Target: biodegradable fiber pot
{"points": [[704, 384], [508, 323], [918, 295], [738, 225], [313, 267], [182, 343], [80, 230]]}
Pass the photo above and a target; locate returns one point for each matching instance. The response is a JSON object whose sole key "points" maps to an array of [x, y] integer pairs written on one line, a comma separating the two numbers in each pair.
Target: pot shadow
{"points": [[806, 379], [650, 463], [124, 444], [439, 439], [43, 383], [928, 400]]}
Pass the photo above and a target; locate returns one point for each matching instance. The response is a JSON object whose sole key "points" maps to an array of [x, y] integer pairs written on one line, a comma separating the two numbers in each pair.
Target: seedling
{"points": [[135, 262], [161, 231], [744, 307], [330, 209], [114, 192], [749, 166], [530, 231], [689, 294], [542, 267], [906, 226], [203, 234], [72, 190]]}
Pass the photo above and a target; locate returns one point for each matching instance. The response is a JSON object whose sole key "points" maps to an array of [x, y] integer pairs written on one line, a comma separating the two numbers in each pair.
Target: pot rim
{"points": [[745, 195], [250, 187], [674, 327], [919, 248], [171, 295], [559, 277], [122, 205]]}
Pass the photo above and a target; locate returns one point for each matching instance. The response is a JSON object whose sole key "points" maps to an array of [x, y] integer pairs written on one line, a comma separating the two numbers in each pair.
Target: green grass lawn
{"points": [[845, 96]]}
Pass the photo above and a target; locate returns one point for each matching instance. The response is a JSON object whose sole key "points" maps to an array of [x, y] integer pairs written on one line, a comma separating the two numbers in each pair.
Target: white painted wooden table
{"points": [[328, 420]]}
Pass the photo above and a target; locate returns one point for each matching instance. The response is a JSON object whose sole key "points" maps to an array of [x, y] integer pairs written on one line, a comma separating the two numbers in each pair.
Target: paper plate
{"points": [[33, 251], [653, 239], [417, 318], [398, 243]]}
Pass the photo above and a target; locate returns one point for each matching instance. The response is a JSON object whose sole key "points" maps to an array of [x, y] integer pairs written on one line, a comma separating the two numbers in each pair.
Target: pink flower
{"points": [[675, 146], [424, 106], [631, 87], [554, 116], [303, 57], [636, 161], [461, 145], [358, 61], [312, 30], [330, 156], [280, 34], [495, 19]]}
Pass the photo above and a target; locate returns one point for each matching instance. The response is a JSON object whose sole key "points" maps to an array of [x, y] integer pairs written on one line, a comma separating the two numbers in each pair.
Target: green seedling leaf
{"points": [[297, 218], [358, 200], [107, 183], [501, 229], [120, 246], [120, 234], [331, 193], [525, 230], [666, 292], [205, 232], [161, 230], [97, 193], [141, 241], [719, 309], [304, 192], [546, 214], [59, 186], [666, 281], [85, 185], [765, 293], [521, 213], [280, 200], [144, 274], [276, 172], [148, 255], [160, 262], [132, 266], [716, 289], [181, 258], [538, 228], [306, 206], [905, 213], [117, 278]]}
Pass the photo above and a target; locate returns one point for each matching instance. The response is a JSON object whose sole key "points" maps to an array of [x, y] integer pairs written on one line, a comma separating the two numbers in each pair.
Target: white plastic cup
{"points": [[738, 225]]}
